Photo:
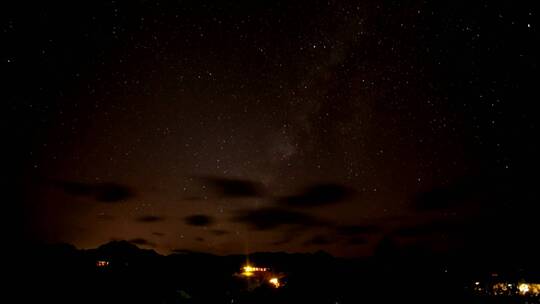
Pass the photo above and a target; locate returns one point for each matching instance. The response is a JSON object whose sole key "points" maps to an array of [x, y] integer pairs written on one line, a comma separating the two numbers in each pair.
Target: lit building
{"points": [[102, 263], [261, 275], [508, 288], [249, 270], [275, 282], [529, 289]]}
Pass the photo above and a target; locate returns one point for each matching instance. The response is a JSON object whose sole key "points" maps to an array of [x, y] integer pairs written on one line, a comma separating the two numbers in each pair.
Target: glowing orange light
{"points": [[248, 271], [529, 289], [523, 288], [274, 282]]}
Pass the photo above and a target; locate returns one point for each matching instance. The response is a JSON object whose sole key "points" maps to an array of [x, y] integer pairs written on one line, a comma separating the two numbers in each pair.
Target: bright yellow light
{"points": [[248, 271], [523, 288], [274, 282]]}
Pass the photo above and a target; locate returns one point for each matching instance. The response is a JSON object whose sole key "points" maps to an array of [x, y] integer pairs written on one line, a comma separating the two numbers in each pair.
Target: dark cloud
{"points": [[284, 240], [318, 240], [230, 187], [199, 220], [444, 197], [498, 192], [111, 192], [141, 241], [219, 232], [291, 233], [150, 219], [432, 228], [158, 233], [319, 195], [357, 241], [482, 235], [102, 192], [490, 214], [350, 230], [272, 217]]}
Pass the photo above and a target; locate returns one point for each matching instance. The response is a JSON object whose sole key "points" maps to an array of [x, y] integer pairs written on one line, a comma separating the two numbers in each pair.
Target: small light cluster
{"points": [[102, 263], [529, 289], [248, 268], [508, 289], [500, 289], [274, 282], [261, 274]]}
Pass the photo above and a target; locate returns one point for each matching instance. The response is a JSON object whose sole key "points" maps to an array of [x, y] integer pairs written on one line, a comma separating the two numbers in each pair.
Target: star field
{"points": [[271, 126]]}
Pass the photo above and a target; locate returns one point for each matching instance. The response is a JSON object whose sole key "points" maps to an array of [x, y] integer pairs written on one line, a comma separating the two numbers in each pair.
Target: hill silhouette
{"points": [[61, 273]]}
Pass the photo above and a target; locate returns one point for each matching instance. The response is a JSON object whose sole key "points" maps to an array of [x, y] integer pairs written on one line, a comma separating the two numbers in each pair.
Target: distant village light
{"points": [[275, 282], [249, 270], [526, 289], [261, 275], [102, 263], [532, 289], [523, 288]]}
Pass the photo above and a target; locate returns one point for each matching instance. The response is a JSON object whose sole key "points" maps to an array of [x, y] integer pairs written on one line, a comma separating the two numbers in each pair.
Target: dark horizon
{"points": [[387, 253], [121, 271]]}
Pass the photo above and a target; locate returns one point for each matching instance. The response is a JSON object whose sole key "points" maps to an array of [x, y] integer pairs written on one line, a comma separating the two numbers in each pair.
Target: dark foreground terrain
{"points": [[127, 274]]}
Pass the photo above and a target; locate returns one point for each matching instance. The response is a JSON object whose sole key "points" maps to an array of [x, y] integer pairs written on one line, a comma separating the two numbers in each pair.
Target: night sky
{"points": [[297, 126]]}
